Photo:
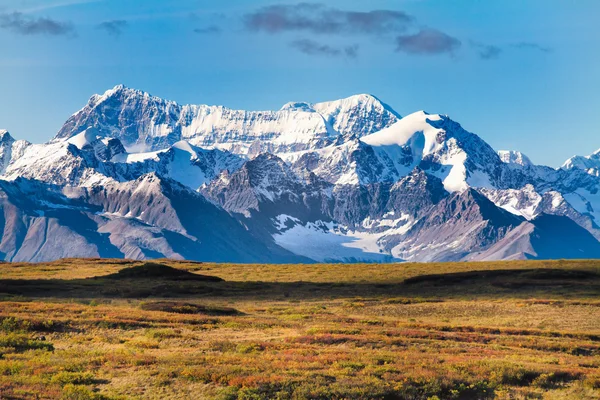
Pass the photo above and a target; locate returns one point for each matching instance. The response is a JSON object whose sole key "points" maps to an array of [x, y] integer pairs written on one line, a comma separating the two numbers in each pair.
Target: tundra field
{"points": [[115, 329]]}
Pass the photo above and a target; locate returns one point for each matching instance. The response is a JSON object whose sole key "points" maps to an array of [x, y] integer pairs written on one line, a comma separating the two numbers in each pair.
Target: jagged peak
{"points": [[149, 181], [126, 92], [514, 157], [363, 100], [5, 136], [266, 158], [587, 163], [159, 185], [152, 176]]}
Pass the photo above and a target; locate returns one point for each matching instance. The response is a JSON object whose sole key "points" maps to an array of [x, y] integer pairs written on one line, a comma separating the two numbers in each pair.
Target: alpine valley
{"points": [[135, 176]]}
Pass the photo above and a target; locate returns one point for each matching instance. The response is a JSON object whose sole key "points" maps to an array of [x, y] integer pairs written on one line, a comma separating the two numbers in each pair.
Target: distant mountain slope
{"points": [[546, 237]]}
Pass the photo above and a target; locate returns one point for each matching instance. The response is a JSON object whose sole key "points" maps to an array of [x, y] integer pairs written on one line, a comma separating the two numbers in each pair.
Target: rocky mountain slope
{"points": [[132, 175]]}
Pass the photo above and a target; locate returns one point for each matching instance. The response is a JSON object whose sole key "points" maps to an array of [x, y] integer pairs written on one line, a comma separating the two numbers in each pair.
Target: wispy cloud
{"points": [[114, 27], [320, 19], [427, 41], [351, 51], [532, 46], [492, 52], [21, 24], [486, 51], [313, 48], [208, 30]]}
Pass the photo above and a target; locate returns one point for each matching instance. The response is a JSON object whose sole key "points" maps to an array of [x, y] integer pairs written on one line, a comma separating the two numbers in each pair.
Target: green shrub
{"points": [[162, 333], [555, 379], [20, 342], [222, 346], [9, 368], [515, 375], [73, 392], [246, 348], [73, 378], [12, 324]]}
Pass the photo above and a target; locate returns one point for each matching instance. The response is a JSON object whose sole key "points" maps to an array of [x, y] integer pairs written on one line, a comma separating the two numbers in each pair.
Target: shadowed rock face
{"points": [[468, 221], [135, 176]]}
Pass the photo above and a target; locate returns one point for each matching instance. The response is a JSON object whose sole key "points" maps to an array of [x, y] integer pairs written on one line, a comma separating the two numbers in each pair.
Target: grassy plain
{"points": [[76, 329]]}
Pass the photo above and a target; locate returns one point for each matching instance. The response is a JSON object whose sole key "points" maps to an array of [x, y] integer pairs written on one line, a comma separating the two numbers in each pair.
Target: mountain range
{"points": [[135, 176]]}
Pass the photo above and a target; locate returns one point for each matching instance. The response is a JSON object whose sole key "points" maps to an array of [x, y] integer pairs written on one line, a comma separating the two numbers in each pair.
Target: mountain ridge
{"points": [[136, 176]]}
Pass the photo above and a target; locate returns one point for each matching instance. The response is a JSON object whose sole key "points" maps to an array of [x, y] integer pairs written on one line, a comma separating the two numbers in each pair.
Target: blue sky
{"points": [[523, 75]]}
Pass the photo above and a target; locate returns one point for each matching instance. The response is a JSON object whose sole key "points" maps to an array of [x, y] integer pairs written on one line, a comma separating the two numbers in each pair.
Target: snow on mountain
{"points": [[191, 165], [514, 157], [416, 138], [523, 202], [10, 149], [589, 164], [350, 163], [133, 175], [147, 123], [357, 115], [258, 185], [87, 159], [435, 143], [326, 242], [84, 139]]}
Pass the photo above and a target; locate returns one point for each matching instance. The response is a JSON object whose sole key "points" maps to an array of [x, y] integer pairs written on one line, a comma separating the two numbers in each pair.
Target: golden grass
{"points": [[354, 273], [302, 332]]}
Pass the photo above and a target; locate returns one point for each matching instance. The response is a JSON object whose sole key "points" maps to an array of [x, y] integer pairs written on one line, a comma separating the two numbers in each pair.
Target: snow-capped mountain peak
{"points": [[360, 114], [146, 123], [440, 145], [10, 149], [514, 157], [123, 92], [298, 106], [590, 164]]}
